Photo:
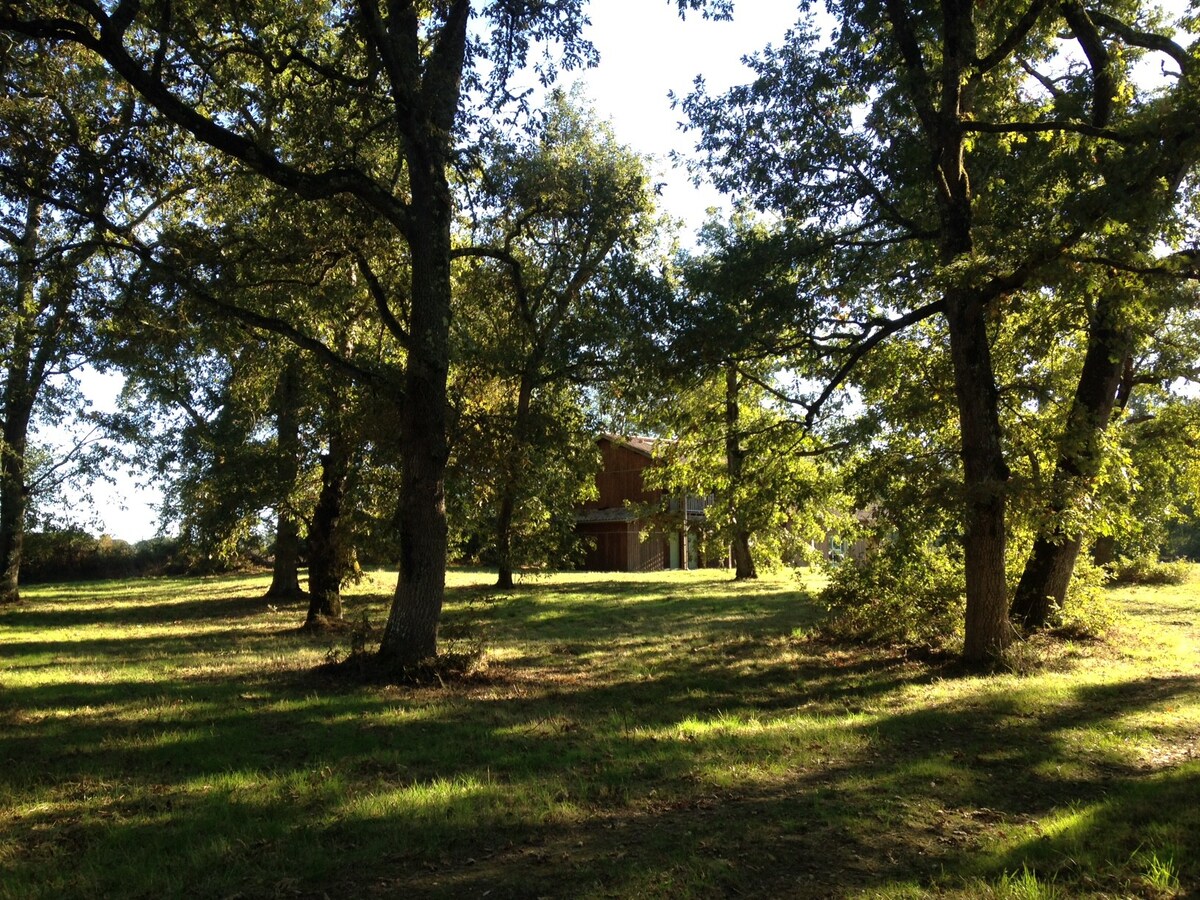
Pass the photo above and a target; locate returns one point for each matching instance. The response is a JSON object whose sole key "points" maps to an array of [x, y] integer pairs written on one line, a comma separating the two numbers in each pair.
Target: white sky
{"points": [[646, 52]]}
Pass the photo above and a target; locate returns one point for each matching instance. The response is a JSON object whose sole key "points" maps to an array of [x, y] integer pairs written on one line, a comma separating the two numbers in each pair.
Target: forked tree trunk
{"points": [[410, 635], [987, 631], [1051, 563], [285, 580]]}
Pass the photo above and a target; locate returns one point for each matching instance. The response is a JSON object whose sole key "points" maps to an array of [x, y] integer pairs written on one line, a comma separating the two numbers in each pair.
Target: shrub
{"points": [[910, 595], [1088, 610], [1149, 570]]}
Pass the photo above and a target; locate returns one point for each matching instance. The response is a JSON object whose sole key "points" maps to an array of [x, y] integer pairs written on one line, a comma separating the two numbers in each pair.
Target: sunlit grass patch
{"points": [[670, 734]]}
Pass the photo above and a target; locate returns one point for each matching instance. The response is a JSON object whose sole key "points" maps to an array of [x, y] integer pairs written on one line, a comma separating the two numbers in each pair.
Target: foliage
{"points": [[1088, 610], [783, 497], [1183, 537], [68, 143], [952, 162], [404, 94], [563, 226], [74, 555], [1153, 480], [709, 382], [909, 594], [1149, 570]]}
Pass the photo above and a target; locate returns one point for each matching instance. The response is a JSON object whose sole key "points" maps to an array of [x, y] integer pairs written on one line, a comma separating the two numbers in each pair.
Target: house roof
{"points": [[638, 443]]}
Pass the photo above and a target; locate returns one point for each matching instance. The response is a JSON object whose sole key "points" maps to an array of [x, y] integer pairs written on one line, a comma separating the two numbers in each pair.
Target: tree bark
{"points": [[24, 376], [508, 489], [410, 636], [744, 568], [14, 500], [326, 538], [985, 477], [285, 580], [1051, 563]]}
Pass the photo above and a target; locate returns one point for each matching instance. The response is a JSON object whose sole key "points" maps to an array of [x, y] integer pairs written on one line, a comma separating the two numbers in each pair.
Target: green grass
{"points": [[668, 735]]}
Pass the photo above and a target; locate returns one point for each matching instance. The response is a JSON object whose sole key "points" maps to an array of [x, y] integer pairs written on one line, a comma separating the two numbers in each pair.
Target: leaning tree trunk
{"points": [[285, 579], [743, 562], [1051, 563], [326, 556]]}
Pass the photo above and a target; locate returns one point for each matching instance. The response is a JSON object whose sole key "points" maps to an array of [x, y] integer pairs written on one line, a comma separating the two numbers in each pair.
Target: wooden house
{"points": [[620, 537]]}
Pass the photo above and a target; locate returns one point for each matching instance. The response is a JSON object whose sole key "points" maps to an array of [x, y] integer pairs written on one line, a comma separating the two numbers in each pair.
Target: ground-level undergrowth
{"points": [[666, 735]]}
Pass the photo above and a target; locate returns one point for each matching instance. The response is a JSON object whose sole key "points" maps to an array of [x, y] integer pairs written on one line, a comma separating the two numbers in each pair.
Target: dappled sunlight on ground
{"points": [[672, 734]]}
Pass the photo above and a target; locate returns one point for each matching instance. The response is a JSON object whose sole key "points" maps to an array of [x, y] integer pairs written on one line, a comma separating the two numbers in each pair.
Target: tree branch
{"points": [[857, 353], [900, 18], [514, 266], [1088, 36], [1144, 39], [381, 299], [109, 46], [1044, 127], [1013, 39]]}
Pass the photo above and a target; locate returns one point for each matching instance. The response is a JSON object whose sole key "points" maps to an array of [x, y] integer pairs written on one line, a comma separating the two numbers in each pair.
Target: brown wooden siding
{"points": [[619, 547], [620, 478]]}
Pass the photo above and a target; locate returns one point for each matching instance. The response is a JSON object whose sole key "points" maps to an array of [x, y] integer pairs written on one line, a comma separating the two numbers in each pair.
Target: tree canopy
{"points": [[961, 272]]}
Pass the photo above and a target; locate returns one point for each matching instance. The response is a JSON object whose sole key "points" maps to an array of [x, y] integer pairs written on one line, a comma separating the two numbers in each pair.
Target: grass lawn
{"points": [[666, 735]]}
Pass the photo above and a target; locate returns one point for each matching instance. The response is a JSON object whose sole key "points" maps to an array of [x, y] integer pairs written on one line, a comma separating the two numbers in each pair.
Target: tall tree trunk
{"points": [[508, 489], [23, 378], [326, 541], [985, 477], [1051, 562], [942, 104], [14, 501], [744, 568], [285, 581], [410, 636]]}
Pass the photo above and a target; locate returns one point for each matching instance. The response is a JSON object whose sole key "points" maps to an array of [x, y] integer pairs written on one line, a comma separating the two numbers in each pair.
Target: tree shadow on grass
{"points": [[588, 617], [915, 807], [628, 807], [730, 764], [213, 606]]}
